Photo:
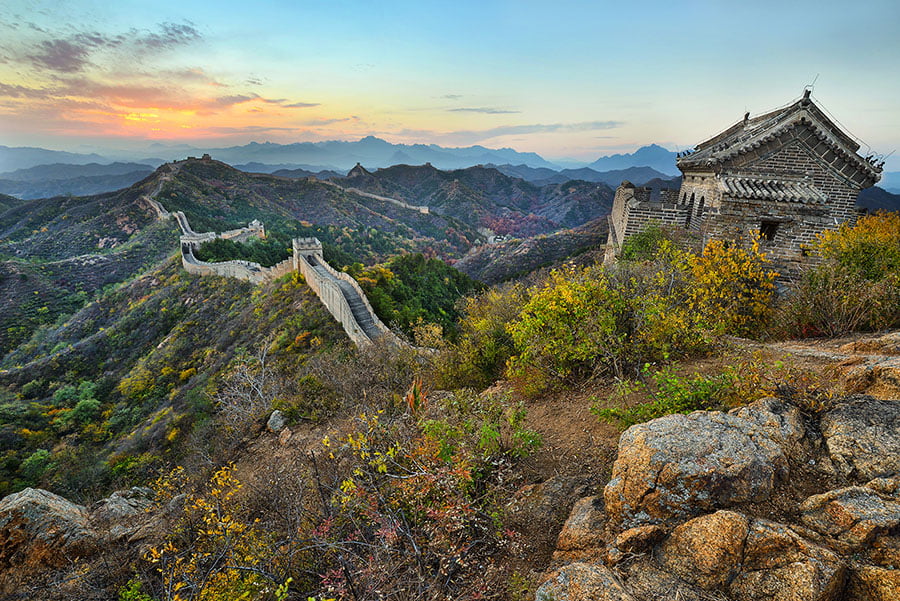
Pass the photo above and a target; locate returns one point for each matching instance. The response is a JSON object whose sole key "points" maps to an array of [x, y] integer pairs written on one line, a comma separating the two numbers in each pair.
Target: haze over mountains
{"points": [[30, 173], [37, 173]]}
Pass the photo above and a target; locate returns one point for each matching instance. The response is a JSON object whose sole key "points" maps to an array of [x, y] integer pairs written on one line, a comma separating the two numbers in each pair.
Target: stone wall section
{"points": [[633, 211], [418, 208], [242, 270], [335, 289], [307, 256]]}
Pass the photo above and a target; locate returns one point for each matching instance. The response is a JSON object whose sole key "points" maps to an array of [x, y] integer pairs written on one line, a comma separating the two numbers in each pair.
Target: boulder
{"points": [[276, 422], [648, 581], [780, 421], [120, 515], [679, 466], [582, 582], [751, 559], [885, 551], [862, 435], [853, 515], [779, 565], [39, 531], [873, 583], [706, 551], [639, 538], [547, 502], [581, 535], [636, 540]]}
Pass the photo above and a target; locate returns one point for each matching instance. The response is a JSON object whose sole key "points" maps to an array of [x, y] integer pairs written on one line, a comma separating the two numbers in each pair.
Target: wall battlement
{"points": [[338, 291], [340, 294]]}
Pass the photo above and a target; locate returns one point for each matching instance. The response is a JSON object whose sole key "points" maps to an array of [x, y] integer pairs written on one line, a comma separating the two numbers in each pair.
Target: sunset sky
{"points": [[564, 79]]}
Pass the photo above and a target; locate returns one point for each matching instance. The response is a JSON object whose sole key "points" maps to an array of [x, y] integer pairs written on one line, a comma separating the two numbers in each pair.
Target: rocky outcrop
{"points": [[120, 516], [778, 564], [751, 559], [853, 515], [683, 465], [863, 437], [40, 531], [580, 537], [581, 581], [707, 551], [688, 511]]}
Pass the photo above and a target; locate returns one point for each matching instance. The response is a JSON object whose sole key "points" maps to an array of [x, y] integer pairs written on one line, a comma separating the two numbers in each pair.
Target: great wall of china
{"points": [[338, 291]]}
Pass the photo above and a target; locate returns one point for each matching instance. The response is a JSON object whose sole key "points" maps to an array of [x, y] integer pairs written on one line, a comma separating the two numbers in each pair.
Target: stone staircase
{"points": [[361, 313]]}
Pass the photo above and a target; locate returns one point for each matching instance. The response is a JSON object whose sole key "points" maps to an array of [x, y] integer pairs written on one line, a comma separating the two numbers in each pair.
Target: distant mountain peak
{"points": [[652, 155], [358, 171]]}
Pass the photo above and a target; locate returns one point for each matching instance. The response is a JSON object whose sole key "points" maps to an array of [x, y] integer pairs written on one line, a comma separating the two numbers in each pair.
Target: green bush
{"points": [[490, 425], [671, 394], [644, 245], [592, 322], [276, 247], [410, 288], [478, 357], [854, 287], [35, 465]]}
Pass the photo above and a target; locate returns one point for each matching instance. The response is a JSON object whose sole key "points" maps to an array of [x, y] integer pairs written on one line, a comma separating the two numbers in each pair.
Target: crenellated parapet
{"points": [[340, 294], [338, 291]]}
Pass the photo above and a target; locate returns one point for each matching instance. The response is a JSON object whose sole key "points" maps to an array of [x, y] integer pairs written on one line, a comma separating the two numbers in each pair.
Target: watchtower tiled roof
{"points": [[772, 189], [750, 134]]}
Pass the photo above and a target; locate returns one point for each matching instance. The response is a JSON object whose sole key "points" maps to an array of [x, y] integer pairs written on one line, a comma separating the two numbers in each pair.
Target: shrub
{"points": [[484, 345], [490, 425], [84, 412], [644, 245], [870, 247], [216, 552], [415, 498], [854, 287], [35, 465], [738, 383], [592, 322], [831, 300], [569, 327], [732, 287], [671, 394]]}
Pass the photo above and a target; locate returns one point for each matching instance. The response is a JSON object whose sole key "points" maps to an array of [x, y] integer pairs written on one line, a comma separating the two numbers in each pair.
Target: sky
{"points": [[565, 79]]}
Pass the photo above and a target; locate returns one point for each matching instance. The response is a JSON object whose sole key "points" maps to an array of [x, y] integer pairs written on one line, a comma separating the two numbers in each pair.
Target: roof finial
{"points": [[746, 117], [807, 90]]}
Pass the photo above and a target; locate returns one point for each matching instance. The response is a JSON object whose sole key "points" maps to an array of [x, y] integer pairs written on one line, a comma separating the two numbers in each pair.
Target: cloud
{"points": [[74, 53], [484, 109], [249, 129], [17, 91], [64, 56], [538, 128], [241, 98], [254, 81], [170, 35], [232, 100], [328, 121], [452, 96], [473, 136]]}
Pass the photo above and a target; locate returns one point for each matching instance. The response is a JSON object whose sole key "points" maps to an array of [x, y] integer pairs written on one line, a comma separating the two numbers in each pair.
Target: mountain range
{"points": [[40, 173], [336, 155]]}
